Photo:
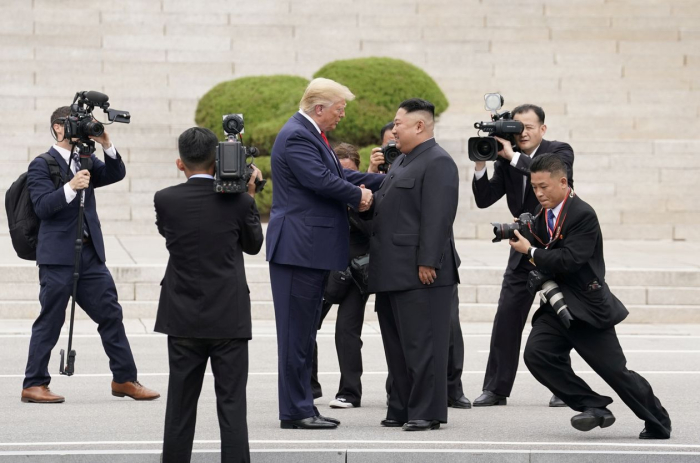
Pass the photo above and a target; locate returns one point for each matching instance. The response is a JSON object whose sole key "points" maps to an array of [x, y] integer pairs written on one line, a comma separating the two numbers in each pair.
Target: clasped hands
{"points": [[367, 198]]}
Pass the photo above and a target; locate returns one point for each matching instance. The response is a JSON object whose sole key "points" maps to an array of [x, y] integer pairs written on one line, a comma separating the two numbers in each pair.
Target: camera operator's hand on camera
{"points": [[426, 275], [80, 181], [256, 175], [375, 159], [521, 244], [103, 140], [507, 151], [366, 201]]}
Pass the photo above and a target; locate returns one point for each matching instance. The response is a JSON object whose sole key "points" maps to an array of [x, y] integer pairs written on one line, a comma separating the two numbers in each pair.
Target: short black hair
{"points": [[388, 126], [58, 117], [418, 104], [197, 147], [523, 108], [549, 162]]}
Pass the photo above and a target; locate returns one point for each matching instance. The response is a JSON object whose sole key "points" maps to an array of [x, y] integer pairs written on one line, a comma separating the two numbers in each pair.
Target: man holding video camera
{"points": [[511, 178], [569, 252], [204, 303], [57, 208]]}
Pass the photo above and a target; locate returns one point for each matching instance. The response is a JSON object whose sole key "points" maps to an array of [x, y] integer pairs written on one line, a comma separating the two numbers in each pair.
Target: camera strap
{"points": [[561, 218]]}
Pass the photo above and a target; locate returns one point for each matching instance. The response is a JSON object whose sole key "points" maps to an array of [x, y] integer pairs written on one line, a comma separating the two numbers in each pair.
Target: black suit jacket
{"points": [[508, 180], [413, 213], [576, 260], [204, 292]]}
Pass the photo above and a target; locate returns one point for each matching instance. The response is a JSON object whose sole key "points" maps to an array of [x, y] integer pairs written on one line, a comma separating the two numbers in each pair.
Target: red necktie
{"points": [[323, 135]]}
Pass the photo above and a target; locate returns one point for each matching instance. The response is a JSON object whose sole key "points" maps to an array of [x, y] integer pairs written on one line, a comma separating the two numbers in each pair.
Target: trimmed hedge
{"points": [[379, 85], [267, 102]]}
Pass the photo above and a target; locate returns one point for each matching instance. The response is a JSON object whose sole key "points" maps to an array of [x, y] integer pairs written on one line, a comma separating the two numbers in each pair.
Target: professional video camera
{"points": [[82, 125], [391, 153], [551, 294], [233, 170], [502, 125], [506, 231]]}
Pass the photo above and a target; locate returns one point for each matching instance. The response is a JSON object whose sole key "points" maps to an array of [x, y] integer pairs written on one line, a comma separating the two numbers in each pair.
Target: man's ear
{"points": [[563, 182], [543, 128], [180, 165]]}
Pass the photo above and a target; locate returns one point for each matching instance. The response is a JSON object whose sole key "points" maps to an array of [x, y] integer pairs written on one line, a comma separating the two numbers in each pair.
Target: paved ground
{"points": [[94, 426]]}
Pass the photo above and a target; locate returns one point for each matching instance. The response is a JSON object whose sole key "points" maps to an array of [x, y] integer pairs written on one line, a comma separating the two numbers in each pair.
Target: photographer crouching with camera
{"points": [[61, 185], [568, 254], [204, 303], [511, 178]]}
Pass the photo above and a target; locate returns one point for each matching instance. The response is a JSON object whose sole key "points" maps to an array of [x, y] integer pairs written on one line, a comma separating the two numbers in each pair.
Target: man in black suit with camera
{"points": [[413, 268], [569, 249], [204, 303], [511, 178]]}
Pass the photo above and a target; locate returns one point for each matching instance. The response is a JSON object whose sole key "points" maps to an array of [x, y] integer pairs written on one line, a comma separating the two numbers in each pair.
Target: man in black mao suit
{"points": [[204, 303], [511, 178], [413, 269], [569, 248]]}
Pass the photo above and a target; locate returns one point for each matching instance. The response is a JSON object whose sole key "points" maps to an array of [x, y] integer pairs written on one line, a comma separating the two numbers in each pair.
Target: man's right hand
{"points": [[81, 180], [366, 200], [375, 160]]}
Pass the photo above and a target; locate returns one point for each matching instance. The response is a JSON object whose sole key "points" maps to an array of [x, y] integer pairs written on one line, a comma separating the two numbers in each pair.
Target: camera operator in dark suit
{"points": [[204, 303], [413, 268], [511, 177], [569, 250]]}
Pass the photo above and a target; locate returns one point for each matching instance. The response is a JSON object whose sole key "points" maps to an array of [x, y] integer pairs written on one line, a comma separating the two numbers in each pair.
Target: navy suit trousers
{"points": [[297, 293], [97, 295]]}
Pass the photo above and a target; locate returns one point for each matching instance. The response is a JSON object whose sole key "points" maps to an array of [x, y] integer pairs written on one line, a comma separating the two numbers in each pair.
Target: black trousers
{"points": [[547, 357], [455, 354], [97, 295], [348, 346], [188, 361], [514, 306], [415, 328]]}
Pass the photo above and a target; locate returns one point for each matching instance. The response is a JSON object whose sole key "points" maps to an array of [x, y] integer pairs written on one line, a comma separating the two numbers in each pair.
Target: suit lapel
{"points": [[61, 162], [329, 152]]}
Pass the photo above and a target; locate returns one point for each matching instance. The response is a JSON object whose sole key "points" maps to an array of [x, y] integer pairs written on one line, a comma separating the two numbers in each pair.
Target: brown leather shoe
{"points": [[41, 395], [133, 389]]}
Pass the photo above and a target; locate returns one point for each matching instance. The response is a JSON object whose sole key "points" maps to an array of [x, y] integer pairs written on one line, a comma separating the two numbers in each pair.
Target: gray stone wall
{"points": [[619, 80]]}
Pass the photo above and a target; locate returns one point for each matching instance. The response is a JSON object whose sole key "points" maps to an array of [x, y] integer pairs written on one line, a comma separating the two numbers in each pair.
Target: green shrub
{"points": [[379, 85], [264, 199], [267, 102]]}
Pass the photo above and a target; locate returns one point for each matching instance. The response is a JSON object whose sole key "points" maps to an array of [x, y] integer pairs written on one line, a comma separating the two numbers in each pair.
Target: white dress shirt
{"points": [[65, 154], [555, 211]]}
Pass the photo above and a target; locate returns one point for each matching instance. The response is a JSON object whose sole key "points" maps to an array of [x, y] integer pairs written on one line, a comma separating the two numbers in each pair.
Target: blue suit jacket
{"points": [[59, 220], [308, 221]]}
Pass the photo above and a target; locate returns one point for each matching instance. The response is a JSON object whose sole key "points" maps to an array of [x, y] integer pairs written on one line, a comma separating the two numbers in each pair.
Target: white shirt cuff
{"points": [[111, 152], [514, 161], [70, 194], [479, 173]]}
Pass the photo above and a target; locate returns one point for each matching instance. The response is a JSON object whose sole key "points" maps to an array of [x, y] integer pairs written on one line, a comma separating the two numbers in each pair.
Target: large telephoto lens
{"points": [[552, 294]]}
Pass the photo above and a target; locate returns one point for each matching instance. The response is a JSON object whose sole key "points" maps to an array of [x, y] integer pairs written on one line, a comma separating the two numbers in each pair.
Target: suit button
{"points": [[383, 194], [376, 214], [392, 176]]}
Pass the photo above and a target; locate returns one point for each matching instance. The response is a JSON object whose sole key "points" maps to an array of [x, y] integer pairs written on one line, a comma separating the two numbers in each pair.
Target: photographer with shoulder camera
{"points": [[204, 303], [58, 210], [568, 254], [511, 178]]}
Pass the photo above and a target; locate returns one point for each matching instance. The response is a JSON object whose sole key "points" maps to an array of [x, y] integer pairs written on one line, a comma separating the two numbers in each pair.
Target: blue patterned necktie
{"points": [[550, 222]]}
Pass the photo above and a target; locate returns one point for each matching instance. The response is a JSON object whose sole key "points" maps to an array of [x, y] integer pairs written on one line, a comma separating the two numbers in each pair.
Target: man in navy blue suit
{"points": [[55, 255], [308, 236]]}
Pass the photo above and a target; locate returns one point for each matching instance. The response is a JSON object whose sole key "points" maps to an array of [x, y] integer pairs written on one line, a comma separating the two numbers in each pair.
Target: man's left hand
{"points": [[426, 275], [507, 151], [520, 244], [103, 140]]}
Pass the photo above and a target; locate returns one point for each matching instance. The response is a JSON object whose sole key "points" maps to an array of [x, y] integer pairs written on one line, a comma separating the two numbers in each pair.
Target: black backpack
{"points": [[23, 221]]}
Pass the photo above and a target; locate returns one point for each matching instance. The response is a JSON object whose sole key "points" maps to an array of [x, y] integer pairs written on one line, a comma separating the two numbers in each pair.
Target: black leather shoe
{"points": [[488, 398], [462, 402], [312, 422], [592, 418], [652, 435], [556, 402], [392, 423], [330, 420], [421, 425]]}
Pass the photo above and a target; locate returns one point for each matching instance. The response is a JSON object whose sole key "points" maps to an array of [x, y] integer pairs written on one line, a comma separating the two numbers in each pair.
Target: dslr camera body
{"points": [[233, 171], [81, 124], [502, 125], [391, 153], [506, 231]]}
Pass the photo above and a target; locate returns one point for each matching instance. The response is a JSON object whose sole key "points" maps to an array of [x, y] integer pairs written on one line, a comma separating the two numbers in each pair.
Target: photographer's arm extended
{"points": [[488, 191]]}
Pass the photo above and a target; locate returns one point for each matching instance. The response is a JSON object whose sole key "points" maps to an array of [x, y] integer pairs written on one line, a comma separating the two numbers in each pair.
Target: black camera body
{"points": [[550, 294], [81, 124], [391, 153], [502, 125], [506, 231], [233, 171]]}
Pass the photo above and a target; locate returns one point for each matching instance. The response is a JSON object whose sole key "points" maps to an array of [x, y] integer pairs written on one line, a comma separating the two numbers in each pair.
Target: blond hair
{"points": [[324, 92]]}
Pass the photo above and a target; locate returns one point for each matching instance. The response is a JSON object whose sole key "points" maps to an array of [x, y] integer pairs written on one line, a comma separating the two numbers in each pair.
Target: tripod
{"points": [[86, 149]]}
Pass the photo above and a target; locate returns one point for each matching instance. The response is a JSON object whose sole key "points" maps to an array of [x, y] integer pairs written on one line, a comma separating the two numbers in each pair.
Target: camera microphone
{"points": [[95, 97]]}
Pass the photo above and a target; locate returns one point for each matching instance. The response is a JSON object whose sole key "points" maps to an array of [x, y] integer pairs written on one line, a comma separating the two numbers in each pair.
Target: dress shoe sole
{"points": [[27, 400], [459, 405], [396, 424], [652, 436], [121, 394], [558, 405], [503, 401], [427, 428], [592, 422], [296, 426]]}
